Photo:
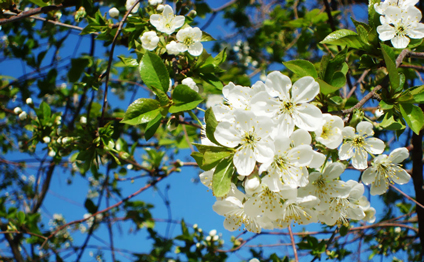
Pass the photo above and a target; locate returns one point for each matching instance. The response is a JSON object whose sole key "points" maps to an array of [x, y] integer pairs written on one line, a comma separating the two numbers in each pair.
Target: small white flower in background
{"points": [[23, 115], [402, 4], [386, 170], [17, 110], [130, 3], [155, 2], [379, 112], [357, 146], [113, 12], [397, 25], [208, 238], [254, 260], [190, 83], [149, 40], [160, 7], [65, 140], [212, 232], [167, 22], [130, 166], [52, 153], [46, 139], [331, 132], [173, 48], [83, 120], [215, 238], [29, 101], [189, 40]]}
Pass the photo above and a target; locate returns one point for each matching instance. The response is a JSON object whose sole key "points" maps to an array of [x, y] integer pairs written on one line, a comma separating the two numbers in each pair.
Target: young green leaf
{"points": [[184, 99], [221, 181], [211, 124], [413, 115], [301, 68], [389, 59], [154, 74], [141, 111], [344, 37]]}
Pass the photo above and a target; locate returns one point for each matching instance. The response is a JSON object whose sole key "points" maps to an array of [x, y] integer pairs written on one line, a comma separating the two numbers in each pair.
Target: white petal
{"points": [[227, 134], [244, 161], [416, 32], [300, 155], [155, 20], [368, 176], [346, 151], [400, 41], [285, 125], [348, 132], [317, 160], [359, 159], [393, 14], [305, 89], [300, 137], [365, 128], [380, 186], [401, 176], [308, 117], [196, 49], [374, 145], [386, 32], [278, 84], [263, 104], [355, 212], [264, 151], [179, 21], [334, 170], [227, 205], [398, 155]]}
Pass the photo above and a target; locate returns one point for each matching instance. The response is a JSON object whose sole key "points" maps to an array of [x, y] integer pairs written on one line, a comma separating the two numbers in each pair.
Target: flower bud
{"points": [[114, 12], [251, 184], [23, 115], [29, 101], [17, 110], [46, 139]]}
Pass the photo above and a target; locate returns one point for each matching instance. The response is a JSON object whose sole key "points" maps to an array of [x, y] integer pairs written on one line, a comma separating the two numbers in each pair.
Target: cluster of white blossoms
{"points": [[186, 39], [400, 21], [285, 156]]}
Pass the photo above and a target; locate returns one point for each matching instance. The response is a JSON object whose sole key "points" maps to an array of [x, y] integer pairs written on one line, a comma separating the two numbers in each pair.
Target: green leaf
{"points": [[344, 37], [154, 74], [220, 58], [212, 80], [373, 16], [418, 93], [206, 37], [90, 206], [413, 116], [78, 66], [385, 106], [221, 181], [389, 59], [184, 99], [326, 88], [301, 68], [211, 124], [152, 126], [39, 3], [213, 158], [141, 111], [128, 62], [21, 217], [45, 111]]}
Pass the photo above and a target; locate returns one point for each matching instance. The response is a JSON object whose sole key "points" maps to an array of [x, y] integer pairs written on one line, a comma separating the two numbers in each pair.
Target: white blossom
{"points": [[289, 104], [173, 48], [386, 170], [189, 40], [17, 110], [114, 12], [46, 139], [397, 25], [29, 101], [249, 135], [23, 115], [167, 22], [357, 146], [155, 2], [331, 132], [130, 3], [149, 40], [190, 83], [402, 4]]}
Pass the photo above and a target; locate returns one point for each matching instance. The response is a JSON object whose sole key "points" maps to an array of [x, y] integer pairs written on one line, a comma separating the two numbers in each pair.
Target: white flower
{"points": [[173, 48], [167, 22], [23, 115], [326, 185], [46, 139], [289, 104], [254, 260], [357, 146], [232, 208], [155, 2], [130, 3], [385, 170], [113, 12], [251, 184], [299, 210], [402, 4], [212, 232], [378, 113], [149, 40], [331, 132], [190, 83], [83, 120], [249, 135], [160, 7], [29, 101], [397, 24], [189, 40], [52, 153], [289, 161], [17, 110], [213, 100]]}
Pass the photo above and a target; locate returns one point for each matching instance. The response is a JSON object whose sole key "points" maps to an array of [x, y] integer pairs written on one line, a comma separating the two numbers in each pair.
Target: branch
{"points": [[45, 188], [293, 244], [104, 210], [408, 197], [360, 103]]}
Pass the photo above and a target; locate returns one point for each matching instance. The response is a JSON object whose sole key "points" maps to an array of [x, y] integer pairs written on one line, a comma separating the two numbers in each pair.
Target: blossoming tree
{"points": [[298, 116]]}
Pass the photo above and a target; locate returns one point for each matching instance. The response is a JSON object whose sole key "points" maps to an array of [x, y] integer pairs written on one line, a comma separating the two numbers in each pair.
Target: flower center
{"points": [[320, 182], [326, 132], [188, 41], [287, 107], [358, 141], [281, 162], [249, 139]]}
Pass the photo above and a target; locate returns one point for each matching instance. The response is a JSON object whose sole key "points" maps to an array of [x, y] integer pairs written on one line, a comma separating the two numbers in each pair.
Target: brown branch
{"points": [[243, 242], [360, 103], [416, 67], [408, 197], [293, 244], [360, 80], [104, 210], [109, 64], [44, 189]]}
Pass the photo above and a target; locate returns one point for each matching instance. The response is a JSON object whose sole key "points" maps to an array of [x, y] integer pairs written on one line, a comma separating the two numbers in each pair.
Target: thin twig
{"points": [[35, 11], [360, 80], [293, 244], [408, 197]]}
